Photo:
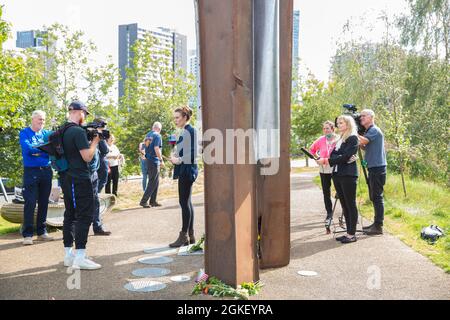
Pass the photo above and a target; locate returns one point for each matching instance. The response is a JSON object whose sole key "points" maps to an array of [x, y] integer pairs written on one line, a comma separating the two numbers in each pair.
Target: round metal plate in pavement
{"points": [[144, 286], [180, 278], [155, 260], [308, 273], [161, 251], [151, 272]]}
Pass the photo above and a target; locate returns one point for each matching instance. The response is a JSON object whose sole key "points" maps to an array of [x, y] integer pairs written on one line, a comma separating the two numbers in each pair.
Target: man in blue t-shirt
{"points": [[37, 178], [375, 156], [153, 155]]}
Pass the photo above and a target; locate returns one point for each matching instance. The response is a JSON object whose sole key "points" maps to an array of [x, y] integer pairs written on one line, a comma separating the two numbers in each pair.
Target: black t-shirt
{"points": [[74, 140]]}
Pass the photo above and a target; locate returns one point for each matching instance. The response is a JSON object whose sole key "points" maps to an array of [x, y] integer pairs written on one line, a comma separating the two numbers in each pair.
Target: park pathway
{"points": [[373, 268]]}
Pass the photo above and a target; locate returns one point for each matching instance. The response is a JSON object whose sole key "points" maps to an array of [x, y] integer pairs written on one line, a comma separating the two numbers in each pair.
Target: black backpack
{"points": [[54, 148]]}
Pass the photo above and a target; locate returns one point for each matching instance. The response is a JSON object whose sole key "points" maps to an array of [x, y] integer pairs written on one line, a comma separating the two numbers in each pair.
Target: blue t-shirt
{"points": [[155, 141], [375, 155], [29, 140]]}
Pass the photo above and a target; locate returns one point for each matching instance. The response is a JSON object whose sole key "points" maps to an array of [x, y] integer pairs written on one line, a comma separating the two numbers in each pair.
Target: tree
{"points": [[20, 78], [390, 76], [152, 90], [318, 105]]}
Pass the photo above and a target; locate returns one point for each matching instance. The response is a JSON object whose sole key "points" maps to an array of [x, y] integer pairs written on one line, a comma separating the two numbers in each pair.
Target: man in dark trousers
{"points": [[94, 166], [153, 155], [37, 179], [79, 198], [375, 156], [103, 168]]}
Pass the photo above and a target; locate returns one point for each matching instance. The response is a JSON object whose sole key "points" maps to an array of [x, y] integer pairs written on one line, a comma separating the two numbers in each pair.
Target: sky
{"points": [[321, 21]]}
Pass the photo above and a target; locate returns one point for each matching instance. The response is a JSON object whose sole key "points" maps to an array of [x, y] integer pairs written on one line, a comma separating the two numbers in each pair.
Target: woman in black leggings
{"points": [[186, 171], [345, 174]]}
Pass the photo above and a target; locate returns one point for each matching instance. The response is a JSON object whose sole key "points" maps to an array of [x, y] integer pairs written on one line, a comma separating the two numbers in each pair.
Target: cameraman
{"points": [[375, 156], [78, 191]]}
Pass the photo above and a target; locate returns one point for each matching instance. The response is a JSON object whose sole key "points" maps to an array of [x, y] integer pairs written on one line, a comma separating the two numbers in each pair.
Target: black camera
{"points": [[352, 110], [92, 130]]}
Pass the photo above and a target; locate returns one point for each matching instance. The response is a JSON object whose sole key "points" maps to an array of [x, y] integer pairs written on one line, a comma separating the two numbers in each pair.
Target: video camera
{"points": [[92, 130], [352, 110]]}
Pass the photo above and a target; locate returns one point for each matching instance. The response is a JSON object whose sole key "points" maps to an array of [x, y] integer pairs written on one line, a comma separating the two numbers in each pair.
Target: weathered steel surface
{"points": [[227, 90], [274, 191]]}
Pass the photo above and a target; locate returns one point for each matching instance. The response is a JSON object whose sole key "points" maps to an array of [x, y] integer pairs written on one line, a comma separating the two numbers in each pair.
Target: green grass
{"points": [[426, 203], [8, 227]]}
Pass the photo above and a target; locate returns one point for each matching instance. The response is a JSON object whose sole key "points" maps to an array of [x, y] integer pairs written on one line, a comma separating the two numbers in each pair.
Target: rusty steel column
{"points": [[225, 29], [274, 191]]}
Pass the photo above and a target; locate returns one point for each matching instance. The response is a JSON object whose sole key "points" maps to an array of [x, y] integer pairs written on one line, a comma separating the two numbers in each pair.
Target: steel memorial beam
{"points": [[245, 81]]}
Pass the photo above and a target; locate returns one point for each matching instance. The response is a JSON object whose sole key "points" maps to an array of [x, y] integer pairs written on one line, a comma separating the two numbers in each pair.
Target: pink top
{"points": [[324, 149]]}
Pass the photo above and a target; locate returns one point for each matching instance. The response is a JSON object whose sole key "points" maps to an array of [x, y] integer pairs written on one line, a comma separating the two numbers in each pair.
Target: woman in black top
{"points": [[186, 171], [345, 174]]}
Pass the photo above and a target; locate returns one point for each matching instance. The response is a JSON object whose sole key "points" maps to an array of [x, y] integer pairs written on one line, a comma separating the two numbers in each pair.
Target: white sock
{"points": [[68, 251], [81, 253]]}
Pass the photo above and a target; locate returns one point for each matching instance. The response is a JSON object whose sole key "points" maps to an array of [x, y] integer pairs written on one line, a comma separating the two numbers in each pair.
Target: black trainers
{"points": [[102, 232], [156, 204], [348, 240], [340, 238], [374, 230], [145, 205]]}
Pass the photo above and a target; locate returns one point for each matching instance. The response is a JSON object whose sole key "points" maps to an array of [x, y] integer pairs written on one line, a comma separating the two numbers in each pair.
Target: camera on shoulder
{"points": [[94, 129]]}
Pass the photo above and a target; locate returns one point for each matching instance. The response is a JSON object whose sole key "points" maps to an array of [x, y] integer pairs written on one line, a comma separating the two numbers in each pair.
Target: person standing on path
{"points": [[115, 159], [323, 147], [186, 171], [375, 156], [37, 178], [345, 174], [154, 161], [143, 162], [79, 197]]}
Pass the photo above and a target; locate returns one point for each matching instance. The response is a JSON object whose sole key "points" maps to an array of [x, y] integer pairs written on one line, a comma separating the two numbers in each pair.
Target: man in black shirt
{"points": [[77, 187]]}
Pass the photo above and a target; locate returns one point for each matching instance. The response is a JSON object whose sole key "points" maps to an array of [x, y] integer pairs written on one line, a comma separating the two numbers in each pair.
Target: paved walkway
{"points": [[373, 268]]}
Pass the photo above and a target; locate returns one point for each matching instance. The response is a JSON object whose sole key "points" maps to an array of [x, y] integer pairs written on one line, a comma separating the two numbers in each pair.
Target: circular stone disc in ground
{"points": [[155, 260], [180, 278], [144, 286], [308, 273], [151, 272], [161, 251]]}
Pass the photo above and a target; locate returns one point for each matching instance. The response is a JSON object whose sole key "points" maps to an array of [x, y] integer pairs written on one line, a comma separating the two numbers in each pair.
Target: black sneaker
{"points": [[102, 233], [340, 238], [145, 205], [374, 230], [156, 204], [348, 240]]}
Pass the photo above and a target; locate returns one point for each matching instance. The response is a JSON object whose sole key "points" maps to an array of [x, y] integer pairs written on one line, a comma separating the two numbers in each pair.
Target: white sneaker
{"points": [[45, 237], [85, 264], [28, 241], [68, 260]]}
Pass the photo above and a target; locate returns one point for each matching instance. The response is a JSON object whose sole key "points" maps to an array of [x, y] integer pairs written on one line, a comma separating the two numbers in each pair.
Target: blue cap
{"points": [[78, 105]]}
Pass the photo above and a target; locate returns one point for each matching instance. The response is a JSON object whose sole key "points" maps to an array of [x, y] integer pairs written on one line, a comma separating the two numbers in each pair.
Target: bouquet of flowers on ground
{"points": [[198, 246], [216, 288]]}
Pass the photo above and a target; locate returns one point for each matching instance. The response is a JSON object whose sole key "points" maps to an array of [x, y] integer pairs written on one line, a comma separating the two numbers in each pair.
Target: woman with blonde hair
{"points": [[323, 147], [345, 173]]}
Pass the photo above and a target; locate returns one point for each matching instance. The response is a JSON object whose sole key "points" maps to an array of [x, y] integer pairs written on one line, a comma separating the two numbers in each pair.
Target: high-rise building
{"points": [[167, 39], [193, 68], [193, 63], [30, 39], [295, 53]]}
